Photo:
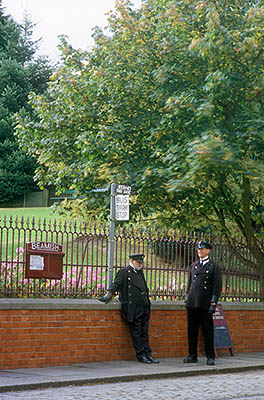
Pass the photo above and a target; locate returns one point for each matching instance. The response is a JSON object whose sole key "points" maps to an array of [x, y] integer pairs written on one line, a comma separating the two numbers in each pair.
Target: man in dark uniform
{"points": [[203, 291], [135, 305]]}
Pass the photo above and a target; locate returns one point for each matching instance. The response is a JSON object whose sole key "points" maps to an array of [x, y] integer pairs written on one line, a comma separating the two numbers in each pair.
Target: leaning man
{"points": [[135, 305], [203, 291]]}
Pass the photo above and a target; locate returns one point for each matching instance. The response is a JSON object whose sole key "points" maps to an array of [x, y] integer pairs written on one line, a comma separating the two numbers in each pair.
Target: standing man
{"points": [[135, 305], [203, 291]]}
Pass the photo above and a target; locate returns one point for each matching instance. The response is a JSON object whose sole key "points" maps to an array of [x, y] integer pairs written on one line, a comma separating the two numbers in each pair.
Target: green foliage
{"points": [[171, 103], [20, 73], [15, 171]]}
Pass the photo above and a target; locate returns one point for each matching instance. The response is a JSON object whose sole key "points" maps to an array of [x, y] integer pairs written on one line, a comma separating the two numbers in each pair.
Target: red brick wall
{"points": [[246, 329], [38, 337]]}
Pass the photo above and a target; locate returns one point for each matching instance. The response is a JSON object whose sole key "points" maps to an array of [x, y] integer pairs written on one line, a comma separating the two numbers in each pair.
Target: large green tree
{"points": [[170, 103], [20, 73]]}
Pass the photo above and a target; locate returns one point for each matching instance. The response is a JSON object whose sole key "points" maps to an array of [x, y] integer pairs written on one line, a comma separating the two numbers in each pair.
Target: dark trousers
{"points": [[139, 331], [195, 317]]}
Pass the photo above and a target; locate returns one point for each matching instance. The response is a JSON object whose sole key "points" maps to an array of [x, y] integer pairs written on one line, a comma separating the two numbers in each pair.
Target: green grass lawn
{"points": [[37, 212]]}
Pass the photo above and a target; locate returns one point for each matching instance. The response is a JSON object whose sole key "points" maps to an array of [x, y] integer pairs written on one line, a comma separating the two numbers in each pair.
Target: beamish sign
{"points": [[44, 246]]}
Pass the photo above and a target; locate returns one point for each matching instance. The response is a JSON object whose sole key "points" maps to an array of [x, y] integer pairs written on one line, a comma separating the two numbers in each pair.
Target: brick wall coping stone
{"points": [[84, 304]]}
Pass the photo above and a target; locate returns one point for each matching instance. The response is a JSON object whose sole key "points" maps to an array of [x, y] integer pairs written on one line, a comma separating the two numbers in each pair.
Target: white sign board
{"points": [[122, 189], [122, 207], [36, 263]]}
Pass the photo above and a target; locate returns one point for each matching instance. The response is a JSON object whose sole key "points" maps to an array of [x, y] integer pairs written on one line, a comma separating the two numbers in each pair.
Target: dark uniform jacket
{"points": [[133, 290], [204, 282]]}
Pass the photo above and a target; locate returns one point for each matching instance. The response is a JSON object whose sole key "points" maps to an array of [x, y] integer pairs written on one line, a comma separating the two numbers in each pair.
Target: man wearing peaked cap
{"points": [[203, 290], [137, 257], [131, 284], [204, 245]]}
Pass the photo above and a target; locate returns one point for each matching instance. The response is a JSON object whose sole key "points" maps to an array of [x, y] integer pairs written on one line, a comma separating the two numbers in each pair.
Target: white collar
{"points": [[204, 260], [134, 269]]}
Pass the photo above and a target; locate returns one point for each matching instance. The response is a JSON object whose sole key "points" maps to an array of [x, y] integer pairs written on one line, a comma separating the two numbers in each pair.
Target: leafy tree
{"points": [[20, 73], [170, 103]]}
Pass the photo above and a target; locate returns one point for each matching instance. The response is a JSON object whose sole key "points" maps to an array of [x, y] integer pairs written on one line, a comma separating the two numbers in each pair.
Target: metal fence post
{"points": [[111, 237]]}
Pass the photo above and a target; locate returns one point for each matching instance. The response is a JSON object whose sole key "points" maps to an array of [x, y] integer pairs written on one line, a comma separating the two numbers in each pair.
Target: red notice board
{"points": [[44, 260], [221, 335]]}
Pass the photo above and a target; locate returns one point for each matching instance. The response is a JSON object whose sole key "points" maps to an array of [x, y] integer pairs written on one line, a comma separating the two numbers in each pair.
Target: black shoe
{"points": [[190, 359], [153, 360], [144, 360], [210, 361]]}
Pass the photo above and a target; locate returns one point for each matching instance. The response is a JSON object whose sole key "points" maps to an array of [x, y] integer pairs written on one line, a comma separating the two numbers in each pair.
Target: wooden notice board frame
{"points": [[222, 338]]}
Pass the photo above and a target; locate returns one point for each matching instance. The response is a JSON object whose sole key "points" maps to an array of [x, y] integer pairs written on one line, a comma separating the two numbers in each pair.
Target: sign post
{"points": [[111, 236], [119, 211], [221, 335]]}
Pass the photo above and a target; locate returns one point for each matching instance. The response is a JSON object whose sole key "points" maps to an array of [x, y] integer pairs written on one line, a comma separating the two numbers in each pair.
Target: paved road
{"points": [[235, 386]]}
